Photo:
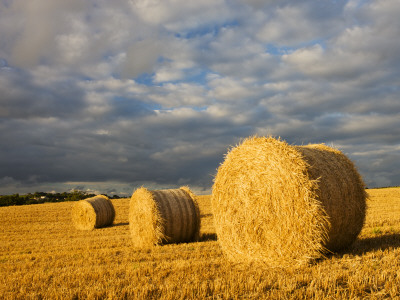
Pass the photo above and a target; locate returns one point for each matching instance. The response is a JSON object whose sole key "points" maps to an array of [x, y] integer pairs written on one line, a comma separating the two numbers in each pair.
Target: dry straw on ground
{"points": [[163, 216], [284, 205], [95, 212]]}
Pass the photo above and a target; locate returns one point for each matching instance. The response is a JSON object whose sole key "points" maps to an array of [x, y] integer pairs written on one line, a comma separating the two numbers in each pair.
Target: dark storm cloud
{"points": [[110, 96], [22, 97]]}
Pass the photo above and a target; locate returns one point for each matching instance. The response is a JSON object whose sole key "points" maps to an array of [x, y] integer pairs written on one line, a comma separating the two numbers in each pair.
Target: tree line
{"points": [[41, 197]]}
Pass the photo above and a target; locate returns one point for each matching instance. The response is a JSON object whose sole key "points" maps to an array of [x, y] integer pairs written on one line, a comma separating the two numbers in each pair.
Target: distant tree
{"points": [[14, 199], [76, 196], [41, 197]]}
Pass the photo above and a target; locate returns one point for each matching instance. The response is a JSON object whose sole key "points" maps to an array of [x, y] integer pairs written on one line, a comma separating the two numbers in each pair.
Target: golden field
{"points": [[42, 256]]}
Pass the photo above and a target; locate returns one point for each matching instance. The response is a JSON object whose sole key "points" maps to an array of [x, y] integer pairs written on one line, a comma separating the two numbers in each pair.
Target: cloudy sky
{"points": [[107, 96]]}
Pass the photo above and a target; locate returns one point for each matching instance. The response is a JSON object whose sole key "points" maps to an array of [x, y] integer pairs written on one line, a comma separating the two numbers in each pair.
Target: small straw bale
{"points": [[163, 216], [285, 205], [91, 213]]}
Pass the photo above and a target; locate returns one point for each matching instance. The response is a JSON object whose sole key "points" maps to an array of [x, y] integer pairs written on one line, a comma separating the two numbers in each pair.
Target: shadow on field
{"points": [[205, 237], [206, 215], [120, 224], [381, 242]]}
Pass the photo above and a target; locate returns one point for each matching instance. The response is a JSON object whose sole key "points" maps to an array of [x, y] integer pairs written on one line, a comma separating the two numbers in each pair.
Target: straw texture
{"points": [[163, 216], [91, 213], [284, 205]]}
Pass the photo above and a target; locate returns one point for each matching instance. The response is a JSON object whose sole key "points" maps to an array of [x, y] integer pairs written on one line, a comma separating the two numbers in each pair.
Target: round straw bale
{"points": [[163, 216], [284, 205], [95, 212]]}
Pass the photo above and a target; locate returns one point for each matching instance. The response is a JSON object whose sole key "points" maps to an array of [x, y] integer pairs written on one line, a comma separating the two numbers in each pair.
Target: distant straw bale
{"points": [[163, 216], [284, 205], [91, 213]]}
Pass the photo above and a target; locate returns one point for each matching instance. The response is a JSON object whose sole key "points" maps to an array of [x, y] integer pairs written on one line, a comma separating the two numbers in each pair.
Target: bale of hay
{"points": [[285, 205], [91, 213], [163, 216]]}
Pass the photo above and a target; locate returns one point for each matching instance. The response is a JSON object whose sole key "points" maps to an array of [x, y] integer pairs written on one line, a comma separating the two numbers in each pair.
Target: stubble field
{"points": [[42, 256]]}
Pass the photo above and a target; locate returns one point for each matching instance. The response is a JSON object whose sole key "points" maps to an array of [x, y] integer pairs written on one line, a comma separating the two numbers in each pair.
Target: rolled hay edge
{"points": [[163, 216], [285, 205], [94, 212]]}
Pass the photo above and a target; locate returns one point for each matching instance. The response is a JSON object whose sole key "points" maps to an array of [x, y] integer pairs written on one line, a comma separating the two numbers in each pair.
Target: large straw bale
{"points": [[91, 213], [163, 216], [284, 205]]}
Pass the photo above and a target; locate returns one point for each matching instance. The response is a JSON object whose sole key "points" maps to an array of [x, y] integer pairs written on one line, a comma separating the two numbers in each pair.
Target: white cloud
{"points": [[356, 50], [73, 47], [232, 90], [180, 94], [37, 23], [142, 57], [167, 74], [289, 26], [177, 15]]}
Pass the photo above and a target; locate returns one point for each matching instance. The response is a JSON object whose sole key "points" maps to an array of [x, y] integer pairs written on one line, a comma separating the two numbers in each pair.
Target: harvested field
{"points": [[43, 257]]}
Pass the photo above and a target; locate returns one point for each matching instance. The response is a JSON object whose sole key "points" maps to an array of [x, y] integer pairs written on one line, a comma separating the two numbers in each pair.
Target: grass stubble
{"points": [[43, 257]]}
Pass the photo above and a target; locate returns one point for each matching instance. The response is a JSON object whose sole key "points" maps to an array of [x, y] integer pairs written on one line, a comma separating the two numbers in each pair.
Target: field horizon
{"points": [[42, 256]]}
